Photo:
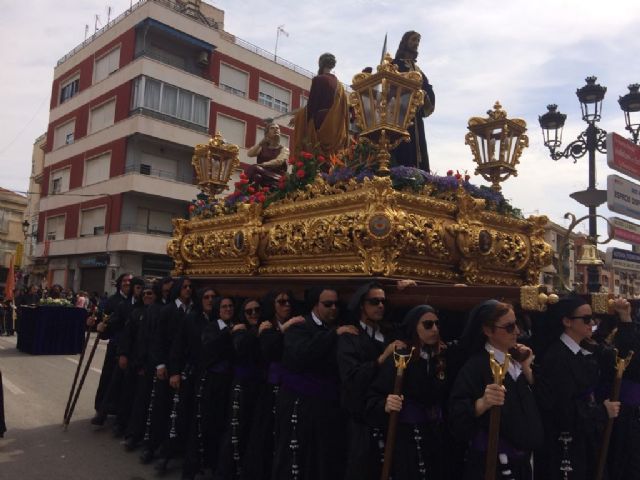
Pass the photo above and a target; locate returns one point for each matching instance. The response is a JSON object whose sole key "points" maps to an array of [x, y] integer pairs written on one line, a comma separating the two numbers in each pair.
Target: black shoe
{"points": [[147, 456], [130, 443], [118, 431], [161, 466], [99, 419]]}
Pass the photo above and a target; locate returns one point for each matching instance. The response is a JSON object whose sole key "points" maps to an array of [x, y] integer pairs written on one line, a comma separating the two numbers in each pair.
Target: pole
{"points": [[401, 362], [621, 365], [75, 377], [499, 372], [593, 277]]}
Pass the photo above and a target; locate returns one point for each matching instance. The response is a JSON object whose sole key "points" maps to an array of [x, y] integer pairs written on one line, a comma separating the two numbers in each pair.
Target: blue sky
{"points": [[524, 54]]}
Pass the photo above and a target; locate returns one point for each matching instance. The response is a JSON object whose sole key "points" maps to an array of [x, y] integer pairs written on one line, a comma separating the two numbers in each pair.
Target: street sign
{"points": [[624, 231], [622, 259], [623, 155], [623, 196]]}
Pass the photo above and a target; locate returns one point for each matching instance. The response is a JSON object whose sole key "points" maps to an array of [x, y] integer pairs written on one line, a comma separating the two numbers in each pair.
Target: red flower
{"points": [[192, 207], [321, 159], [238, 184], [300, 174], [244, 181], [307, 155], [243, 175], [299, 164], [291, 161], [261, 197], [281, 183], [458, 176], [251, 190], [449, 173], [265, 189]]}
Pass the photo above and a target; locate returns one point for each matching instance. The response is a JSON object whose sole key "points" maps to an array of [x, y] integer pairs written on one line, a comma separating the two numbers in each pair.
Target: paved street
{"points": [[35, 446]]}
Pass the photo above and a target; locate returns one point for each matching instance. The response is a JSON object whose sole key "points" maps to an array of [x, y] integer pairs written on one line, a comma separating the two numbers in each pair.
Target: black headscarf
{"points": [[563, 308], [409, 323], [268, 302], [177, 287], [473, 338]]}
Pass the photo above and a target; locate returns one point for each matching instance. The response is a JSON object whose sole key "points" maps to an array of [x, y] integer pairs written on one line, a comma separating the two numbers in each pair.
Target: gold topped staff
{"points": [[77, 374], [499, 372], [621, 366], [401, 362]]}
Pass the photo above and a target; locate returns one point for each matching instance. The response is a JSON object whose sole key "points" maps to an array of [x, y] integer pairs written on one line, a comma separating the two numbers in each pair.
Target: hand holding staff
{"points": [[401, 362], [499, 372], [621, 366]]}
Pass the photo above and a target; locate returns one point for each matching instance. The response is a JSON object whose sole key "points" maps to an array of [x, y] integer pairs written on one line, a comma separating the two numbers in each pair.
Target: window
{"points": [[233, 81], [63, 135], [69, 88], [59, 181], [92, 221], [231, 129], [170, 100], [154, 221], [97, 169], [106, 65], [102, 116], [303, 100], [55, 228], [274, 97]]}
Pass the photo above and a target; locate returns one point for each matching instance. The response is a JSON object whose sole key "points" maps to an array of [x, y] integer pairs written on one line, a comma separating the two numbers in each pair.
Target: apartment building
{"points": [[127, 107], [12, 207]]}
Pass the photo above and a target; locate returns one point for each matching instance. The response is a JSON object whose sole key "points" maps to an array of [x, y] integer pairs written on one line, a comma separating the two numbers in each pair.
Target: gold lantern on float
{"points": [[214, 163], [496, 144], [385, 105]]}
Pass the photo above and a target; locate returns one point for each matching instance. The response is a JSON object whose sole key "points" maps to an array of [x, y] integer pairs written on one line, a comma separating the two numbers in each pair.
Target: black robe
{"points": [[624, 450], [248, 376], [419, 452], [520, 425], [109, 363], [258, 458], [571, 406], [414, 153], [310, 425], [358, 365], [208, 423], [3, 426]]}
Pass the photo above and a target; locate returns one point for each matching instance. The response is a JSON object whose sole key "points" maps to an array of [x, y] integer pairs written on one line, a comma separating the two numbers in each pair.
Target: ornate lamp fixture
{"points": [[385, 104], [590, 97], [496, 143], [629, 104], [214, 163], [552, 124]]}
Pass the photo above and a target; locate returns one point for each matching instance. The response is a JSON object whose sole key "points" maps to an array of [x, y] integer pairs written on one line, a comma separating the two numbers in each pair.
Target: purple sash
{"points": [[220, 367], [414, 413], [481, 441], [246, 372], [630, 393], [276, 372], [310, 385]]}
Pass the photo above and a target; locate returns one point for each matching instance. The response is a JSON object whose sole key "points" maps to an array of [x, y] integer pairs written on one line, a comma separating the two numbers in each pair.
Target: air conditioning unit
{"points": [[203, 58]]}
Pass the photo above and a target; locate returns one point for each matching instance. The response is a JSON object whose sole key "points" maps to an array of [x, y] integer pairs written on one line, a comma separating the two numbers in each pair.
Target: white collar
{"points": [[572, 345], [179, 304], [514, 367], [221, 324], [316, 320], [373, 332]]}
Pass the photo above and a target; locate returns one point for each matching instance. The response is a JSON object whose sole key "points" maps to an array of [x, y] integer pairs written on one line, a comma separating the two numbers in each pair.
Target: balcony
{"points": [[147, 229], [145, 169], [115, 242]]}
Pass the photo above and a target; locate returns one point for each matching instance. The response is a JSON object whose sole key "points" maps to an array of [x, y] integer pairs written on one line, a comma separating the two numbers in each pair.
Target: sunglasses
{"points": [[252, 311], [187, 286], [428, 324], [374, 302], [283, 301], [209, 297], [587, 319], [509, 327], [228, 305], [329, 304], [148, 293]]}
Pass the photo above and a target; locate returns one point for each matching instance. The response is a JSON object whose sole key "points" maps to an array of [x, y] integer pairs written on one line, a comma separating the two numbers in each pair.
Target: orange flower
{"points": [[335, 161]]}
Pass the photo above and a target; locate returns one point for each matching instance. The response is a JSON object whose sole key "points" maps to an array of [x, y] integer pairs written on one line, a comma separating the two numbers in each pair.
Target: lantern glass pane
{"points": [[367, 108]]}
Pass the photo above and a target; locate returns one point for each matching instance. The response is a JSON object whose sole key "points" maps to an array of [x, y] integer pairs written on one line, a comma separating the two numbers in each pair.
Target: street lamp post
{"points": [[589, 141]]}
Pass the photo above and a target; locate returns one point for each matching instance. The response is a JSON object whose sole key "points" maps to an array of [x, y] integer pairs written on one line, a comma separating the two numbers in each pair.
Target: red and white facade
{"points": [[127, 108]]}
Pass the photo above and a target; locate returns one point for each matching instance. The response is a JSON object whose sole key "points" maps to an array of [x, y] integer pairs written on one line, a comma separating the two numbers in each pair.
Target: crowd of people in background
{"points": [[302, 389]]}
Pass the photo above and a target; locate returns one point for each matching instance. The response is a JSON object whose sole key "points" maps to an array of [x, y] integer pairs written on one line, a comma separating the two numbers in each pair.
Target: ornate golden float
{"points": [[369, 229]]}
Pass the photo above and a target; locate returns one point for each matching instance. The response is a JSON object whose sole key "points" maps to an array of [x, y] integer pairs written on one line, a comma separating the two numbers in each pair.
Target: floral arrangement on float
{"points": [[54, 302], [339, 171]]}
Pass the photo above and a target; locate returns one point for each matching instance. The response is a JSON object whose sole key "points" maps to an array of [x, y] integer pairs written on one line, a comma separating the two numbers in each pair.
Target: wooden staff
{"points": [[621, 366], [67, 418], [401, 362], [499, 372], [75, 377]]}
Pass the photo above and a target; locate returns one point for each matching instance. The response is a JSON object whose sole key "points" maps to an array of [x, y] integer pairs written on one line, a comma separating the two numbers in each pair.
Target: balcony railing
{"points": [[151, 171], [148, 229]]}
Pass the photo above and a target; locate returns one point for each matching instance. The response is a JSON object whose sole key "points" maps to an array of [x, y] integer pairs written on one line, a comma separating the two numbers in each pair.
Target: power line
{"points": [[23, 128]]}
